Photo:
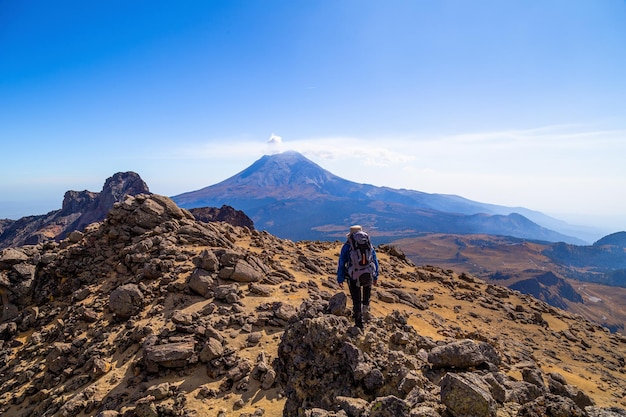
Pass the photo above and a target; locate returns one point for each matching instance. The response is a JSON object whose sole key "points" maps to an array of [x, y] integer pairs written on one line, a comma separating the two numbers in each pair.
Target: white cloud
{"points": [[275, 144]]}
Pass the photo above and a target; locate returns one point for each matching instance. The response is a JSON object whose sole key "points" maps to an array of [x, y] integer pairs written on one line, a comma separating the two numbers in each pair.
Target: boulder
{"points": [[337, 304], [207, 260], [126, 301], [169, 355], [389, 406], [467, 395], [12, 256], [201, 282], [245, 270], [463, 354], [212, 349]]}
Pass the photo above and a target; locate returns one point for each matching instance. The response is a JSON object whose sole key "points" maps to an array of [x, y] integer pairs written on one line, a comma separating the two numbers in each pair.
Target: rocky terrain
{"points": [[225, 214], [154, 313]]}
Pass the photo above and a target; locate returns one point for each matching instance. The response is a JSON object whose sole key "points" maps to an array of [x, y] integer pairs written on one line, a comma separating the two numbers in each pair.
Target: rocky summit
{"points": [[80, 208], [151, 312]]}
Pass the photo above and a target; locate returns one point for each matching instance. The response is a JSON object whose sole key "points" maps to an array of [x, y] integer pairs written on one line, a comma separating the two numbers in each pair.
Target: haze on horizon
{"points": [[516, 103]]}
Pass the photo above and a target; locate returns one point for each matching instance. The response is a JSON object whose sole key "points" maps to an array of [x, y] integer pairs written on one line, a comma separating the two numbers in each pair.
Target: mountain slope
{"points": [[587, 280], [292, 197], [151, 313]]}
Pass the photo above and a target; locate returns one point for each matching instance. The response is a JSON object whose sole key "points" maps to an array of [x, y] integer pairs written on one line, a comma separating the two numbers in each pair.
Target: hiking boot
{"points": [[365, 310], [359, 321]]}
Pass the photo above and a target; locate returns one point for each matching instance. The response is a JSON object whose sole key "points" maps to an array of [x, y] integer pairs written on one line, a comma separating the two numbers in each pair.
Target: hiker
{"points": [[361, 269]]}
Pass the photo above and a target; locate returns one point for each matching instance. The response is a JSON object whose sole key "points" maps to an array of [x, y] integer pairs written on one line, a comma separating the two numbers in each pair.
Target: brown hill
{"points": [[223, 214], [524, 265], [153, 313]]}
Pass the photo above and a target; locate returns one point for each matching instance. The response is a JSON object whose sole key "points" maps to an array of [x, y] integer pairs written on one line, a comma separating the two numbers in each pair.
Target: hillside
{"points": [[575, 278], [152, 313], [291, 197]]}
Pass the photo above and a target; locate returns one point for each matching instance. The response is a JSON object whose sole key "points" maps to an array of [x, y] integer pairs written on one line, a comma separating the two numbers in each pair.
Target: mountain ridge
{"points": [[79, 209], [292, 197]]}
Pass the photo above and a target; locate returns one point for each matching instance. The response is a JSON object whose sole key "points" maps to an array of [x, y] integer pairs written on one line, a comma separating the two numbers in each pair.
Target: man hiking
{"points": [[359, 264]]}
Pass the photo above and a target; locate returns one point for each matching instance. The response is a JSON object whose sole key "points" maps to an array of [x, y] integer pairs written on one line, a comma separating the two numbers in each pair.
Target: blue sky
{"points": [[517, 103]]}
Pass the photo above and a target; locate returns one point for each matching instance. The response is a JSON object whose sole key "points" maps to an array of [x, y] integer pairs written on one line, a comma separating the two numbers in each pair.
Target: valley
{"points": [[524, 265]]}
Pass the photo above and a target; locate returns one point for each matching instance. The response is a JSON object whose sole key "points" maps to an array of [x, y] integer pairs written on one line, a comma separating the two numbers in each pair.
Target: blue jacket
{"points": [[344, 261]]}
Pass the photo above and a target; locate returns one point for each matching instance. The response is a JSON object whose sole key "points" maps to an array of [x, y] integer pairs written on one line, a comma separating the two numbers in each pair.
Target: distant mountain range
{"points": [[292, 197]]}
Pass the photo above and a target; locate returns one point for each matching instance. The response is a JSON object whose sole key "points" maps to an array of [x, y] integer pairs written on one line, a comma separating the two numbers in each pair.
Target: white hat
{"points": [[355, 228]]}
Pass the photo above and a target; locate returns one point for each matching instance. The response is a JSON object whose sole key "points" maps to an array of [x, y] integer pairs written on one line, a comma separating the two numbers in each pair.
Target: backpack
{"points": [[361, 267]]}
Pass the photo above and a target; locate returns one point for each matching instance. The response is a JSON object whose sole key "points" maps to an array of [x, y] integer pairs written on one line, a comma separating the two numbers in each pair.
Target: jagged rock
{"points": [[467, 395], [229, 293], [354, 407], [463, 354], [268, 379], [17, 276], [201, 282], [245, 270], [309, 365], [260, 289], [551, 405], [284, 311], [263, 372], [99, 367], [337, 304], [126, 301], [12, 256], [146, 408], [160, 391], [212, 349], [182, 318], [605, 412], [223, 214], [322, 357], [535, 377], [8, 330], [208, 261], [387, 297], [521, 392], [389, 406], [58, 357], [409, 298], [558, 386], [242, 369], [424, 411], [498, 291], [169, 355]]}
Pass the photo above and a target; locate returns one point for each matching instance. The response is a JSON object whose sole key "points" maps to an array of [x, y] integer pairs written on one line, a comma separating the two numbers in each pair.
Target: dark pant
{"points": [[360, 295]]}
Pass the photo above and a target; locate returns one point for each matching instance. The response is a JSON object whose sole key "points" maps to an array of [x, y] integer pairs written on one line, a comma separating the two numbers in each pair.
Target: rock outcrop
{"points": [[330, 368], [223, 214], [80, 208]]}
